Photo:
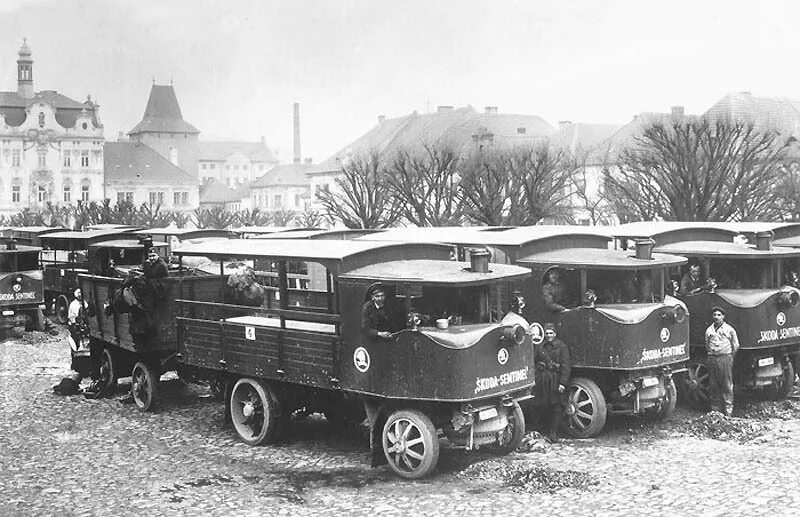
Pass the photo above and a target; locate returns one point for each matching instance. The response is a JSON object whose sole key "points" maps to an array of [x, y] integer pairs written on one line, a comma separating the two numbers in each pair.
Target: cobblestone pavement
{"points": [[75, 456]]}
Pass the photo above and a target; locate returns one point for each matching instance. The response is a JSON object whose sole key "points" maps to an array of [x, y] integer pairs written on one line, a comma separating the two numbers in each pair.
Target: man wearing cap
{"points": [[375, 321], [722, 344], [552, 375]]}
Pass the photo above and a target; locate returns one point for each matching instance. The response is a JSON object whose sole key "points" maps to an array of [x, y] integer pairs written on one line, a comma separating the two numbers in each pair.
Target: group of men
{"points": [[80, 310]]}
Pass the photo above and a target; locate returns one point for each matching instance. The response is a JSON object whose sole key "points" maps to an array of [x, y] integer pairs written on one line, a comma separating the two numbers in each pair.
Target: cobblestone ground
{"points": [[75, 456]]}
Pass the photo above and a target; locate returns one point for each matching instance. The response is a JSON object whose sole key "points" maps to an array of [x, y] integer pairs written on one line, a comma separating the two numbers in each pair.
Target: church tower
{"points": [[25, 71]]}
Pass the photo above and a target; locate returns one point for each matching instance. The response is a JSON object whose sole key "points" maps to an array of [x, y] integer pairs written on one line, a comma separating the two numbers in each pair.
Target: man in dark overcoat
{"points": [[552, 377]]}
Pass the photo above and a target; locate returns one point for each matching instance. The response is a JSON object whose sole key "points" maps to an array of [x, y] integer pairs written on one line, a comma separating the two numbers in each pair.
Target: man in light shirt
{"points": [[722, 343]]}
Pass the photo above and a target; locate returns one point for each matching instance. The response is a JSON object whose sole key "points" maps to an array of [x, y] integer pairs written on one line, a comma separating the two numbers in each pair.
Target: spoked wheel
{"points": [[514, 432], [254, 412], [667, 406], [410, 443], [782, 387], [108, 373], [62, 309], [586, 408], [144, 382], [697, 386]]}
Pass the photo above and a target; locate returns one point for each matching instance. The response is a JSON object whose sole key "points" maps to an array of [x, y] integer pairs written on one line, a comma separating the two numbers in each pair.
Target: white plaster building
{"points": [[51, 147]]}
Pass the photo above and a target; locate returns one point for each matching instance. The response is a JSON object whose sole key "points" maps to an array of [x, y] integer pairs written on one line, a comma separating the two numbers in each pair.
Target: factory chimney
{"points": [[297, 156]]}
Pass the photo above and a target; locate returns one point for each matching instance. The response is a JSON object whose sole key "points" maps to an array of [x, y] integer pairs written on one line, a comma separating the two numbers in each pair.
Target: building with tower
{"points": [[157, 164], [51, 146]]}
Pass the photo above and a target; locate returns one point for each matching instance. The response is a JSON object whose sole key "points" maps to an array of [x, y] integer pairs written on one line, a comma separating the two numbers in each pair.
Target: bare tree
{"points": [[588, 192], [701, 170], [426, 180], [486, 184], [541, 184], [361, 197], [311, 219], [283, 217]]}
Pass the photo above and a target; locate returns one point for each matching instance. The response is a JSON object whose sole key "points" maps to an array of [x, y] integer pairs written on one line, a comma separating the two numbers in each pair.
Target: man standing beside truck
{"points": [[722, 343], [553, 367]]}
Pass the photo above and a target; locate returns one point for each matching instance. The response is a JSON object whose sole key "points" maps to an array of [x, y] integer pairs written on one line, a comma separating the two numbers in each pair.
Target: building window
{"points": [[84, 159], [41, 119], [67, 194], [15, 158], [84, 193], [297, 200], [277, 200], [521, 130], [97, 156], [212, 166], [43, 160], [124, 197], [203, 166], [15, 194], [67, 159], [42, 194], [180, 198], [156, 198]]}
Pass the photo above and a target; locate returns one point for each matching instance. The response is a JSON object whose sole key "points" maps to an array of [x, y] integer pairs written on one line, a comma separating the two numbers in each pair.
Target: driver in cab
{"points": [[375, 322]]}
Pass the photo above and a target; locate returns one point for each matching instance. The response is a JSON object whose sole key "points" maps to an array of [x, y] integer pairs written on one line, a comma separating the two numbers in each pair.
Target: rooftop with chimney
{"points": [[447, 125]]}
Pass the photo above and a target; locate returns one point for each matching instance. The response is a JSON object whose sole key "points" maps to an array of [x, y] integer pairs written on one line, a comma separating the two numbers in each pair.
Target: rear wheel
{"points": [[410, 443], [108, 373], [782, 387], [144, 383], [698, 385], [586, 408], [667, 406], [62, 309], [254, 411], [512, 435]]}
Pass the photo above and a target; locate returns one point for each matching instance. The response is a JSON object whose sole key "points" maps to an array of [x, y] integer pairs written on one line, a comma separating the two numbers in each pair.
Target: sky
{"points": [[238, 65]]}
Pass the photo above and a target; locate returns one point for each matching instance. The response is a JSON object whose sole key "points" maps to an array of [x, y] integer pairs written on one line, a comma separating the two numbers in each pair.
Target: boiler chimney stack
{"points": [[297, 156]]}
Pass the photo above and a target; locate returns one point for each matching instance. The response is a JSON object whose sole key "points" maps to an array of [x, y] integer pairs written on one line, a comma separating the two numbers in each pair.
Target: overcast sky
{"points": [[237, 66]]}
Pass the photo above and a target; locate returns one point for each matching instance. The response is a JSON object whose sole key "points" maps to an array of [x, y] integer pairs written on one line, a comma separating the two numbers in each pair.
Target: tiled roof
{"points": [[134, 160], [12, 106], [579, 137], [457, 127], [163, 114], [775, 113], [286, 174], [220, 151], [216, 192], [609, 149]]}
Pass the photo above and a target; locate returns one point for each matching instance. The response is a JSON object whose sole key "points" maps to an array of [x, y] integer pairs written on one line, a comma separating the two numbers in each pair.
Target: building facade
{"points": [[51, 147], [234, 163], [156, 165], [284, 188]]}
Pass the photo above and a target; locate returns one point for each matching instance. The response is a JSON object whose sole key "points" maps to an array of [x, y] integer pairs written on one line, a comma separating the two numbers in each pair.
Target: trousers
{"points": [[720, 375]]}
